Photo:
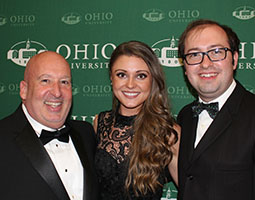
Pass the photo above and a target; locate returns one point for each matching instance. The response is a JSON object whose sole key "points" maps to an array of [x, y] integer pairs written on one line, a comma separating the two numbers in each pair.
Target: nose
{"points": [[56, 90], [206, 62], [131, 82]]}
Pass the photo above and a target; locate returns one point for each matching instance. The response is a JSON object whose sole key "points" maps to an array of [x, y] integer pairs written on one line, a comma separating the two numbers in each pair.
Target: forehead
{"points": [[206, 36], [130, 63], [51, 65]]}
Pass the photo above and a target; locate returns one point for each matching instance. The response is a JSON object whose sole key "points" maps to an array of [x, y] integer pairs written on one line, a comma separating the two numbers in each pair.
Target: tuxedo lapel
{"points": [[33, 149], [187, 145], [222, 121], [77, 141], [218, 127]]}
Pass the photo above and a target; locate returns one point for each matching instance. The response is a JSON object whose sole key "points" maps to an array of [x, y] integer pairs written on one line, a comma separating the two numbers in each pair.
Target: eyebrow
{"points": [[139, 71], [210, 47]]}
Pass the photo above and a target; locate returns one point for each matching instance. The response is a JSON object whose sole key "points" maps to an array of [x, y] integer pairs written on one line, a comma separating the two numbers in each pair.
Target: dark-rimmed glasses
{"points": [[214, 55]]}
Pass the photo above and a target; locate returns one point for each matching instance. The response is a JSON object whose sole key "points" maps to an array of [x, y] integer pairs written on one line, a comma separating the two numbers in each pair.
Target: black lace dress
{"points": [[114, 136]]}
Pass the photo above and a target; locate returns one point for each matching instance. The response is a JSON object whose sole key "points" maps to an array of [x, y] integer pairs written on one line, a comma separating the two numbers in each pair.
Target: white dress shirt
{"points": [[65, 160], [204, 120]]}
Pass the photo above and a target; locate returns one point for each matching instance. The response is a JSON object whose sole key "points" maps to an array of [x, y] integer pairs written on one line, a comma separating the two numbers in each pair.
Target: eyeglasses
{"points": [[214, 55]]}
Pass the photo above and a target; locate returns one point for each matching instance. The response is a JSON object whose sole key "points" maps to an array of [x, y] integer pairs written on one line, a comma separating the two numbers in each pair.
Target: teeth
{"points": [[130, 94], [53, 104], [208, 75]]}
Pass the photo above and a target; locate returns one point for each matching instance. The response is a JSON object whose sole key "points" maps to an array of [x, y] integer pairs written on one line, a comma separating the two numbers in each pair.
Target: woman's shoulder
{"points": [[100, 117], [104, 114]]}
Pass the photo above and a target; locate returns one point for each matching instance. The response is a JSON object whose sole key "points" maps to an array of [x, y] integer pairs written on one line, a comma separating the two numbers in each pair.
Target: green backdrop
{"points": [[86, 32]]}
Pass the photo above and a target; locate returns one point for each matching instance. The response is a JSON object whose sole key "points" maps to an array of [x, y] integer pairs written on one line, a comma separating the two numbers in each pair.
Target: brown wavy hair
{"points": [[233, 39], [154, 134]]}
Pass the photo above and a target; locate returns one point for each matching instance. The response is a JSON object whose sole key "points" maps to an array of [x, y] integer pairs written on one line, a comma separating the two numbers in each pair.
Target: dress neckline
{"points": [[124, 120]]}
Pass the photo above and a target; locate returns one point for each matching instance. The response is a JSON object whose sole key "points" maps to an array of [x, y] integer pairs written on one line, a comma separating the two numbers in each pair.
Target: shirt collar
{"points": [[223, 98], [35, 124]]}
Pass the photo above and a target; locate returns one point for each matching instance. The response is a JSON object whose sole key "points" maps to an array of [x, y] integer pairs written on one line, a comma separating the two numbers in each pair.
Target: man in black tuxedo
{"points": [[34, 165], [217, 146]]}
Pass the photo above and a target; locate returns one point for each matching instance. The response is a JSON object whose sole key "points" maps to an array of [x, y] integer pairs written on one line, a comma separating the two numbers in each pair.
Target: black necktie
{"points": [[211, 108], [62, 135]]}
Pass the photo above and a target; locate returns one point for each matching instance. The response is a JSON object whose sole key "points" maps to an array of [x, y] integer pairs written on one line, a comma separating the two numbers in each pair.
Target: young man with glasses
{"points": [[216, 158]]}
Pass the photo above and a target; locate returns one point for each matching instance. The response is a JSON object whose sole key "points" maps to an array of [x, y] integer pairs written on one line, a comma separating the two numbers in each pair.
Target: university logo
{"points": [[169, 192], [3, 20], [22, 20], [21, 52], [153, 15], [244, 12], [182, 16], [71, 18], [18, 20], [180, 92], [167, 52], [98, 18], [87, 56], [2, 88], [173, 16], [83, 117], [13, 88], [75, 89], [250, 88], [97, 90]]}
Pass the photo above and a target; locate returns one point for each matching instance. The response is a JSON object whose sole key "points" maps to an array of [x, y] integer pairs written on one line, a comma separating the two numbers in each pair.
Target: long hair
{"points": [[153, 127]]}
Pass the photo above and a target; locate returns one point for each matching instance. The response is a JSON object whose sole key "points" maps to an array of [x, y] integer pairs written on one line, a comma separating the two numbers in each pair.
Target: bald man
{"points": [[44, 155]]}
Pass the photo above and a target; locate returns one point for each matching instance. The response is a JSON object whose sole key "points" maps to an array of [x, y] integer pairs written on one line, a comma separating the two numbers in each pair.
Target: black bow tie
{"points": [[211, 108], [62, 135]]}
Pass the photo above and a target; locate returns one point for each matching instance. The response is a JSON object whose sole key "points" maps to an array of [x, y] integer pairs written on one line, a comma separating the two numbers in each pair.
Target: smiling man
{"points": [[216, 157], [44, 154], [46, 90]]}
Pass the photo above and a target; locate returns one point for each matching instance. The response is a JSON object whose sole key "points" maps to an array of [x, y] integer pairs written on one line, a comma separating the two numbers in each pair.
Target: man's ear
{"points": [[23, 90], [111, 78], [235, 60]]}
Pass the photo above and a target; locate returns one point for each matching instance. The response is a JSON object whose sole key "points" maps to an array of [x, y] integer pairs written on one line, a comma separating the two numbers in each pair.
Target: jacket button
{"points": [[190, 177]]}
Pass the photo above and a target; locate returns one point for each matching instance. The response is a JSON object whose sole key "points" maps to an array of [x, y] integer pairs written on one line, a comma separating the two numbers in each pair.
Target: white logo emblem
{"points": [[3, 20], [250, 88], [167, 52], [2, 88], [20, 55], [75, 89], [154, 15], [244, 12], [71, 18]]}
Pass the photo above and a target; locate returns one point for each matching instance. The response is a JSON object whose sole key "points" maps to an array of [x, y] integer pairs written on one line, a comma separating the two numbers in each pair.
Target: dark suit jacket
{"points": [[26, 170], [222, 165]]}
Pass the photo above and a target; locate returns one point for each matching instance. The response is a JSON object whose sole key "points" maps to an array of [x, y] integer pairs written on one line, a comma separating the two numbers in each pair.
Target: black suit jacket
{"points": [[26, 170], [222, 165]]}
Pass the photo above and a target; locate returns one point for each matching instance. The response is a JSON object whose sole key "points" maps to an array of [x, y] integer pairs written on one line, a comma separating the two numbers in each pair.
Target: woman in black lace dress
{"points": [[138, 138]]}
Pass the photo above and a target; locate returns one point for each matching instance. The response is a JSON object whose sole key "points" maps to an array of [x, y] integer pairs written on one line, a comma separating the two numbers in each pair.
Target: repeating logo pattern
{"points": [[90, 18], [244, 12], [18, 20], [21, 52], [250, 88], [71, 18], [173, 16], [169, 192], [167, 52], [3, 20], [154, 15], [11, 88], [2, 88]]}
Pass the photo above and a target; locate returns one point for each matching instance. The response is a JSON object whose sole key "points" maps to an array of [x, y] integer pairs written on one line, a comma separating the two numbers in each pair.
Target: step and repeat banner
{"points": [[86, 32]]}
